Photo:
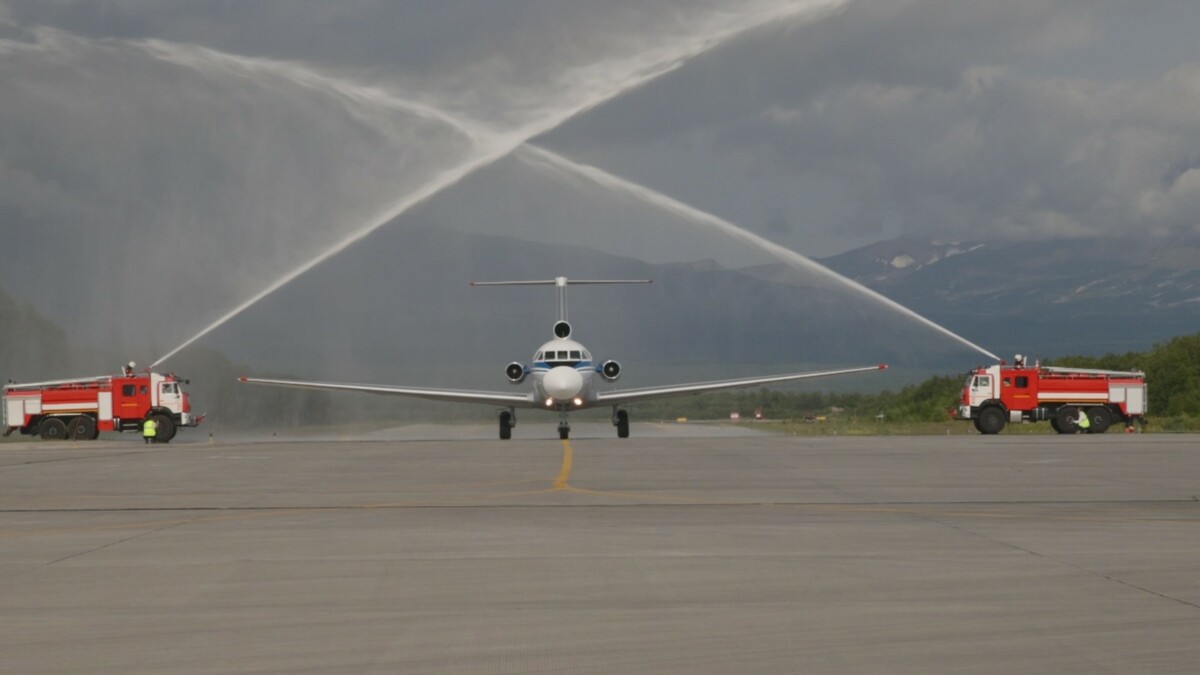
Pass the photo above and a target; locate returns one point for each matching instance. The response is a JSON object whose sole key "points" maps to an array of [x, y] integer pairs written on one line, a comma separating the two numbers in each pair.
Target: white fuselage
{"points": [[563, 375]]}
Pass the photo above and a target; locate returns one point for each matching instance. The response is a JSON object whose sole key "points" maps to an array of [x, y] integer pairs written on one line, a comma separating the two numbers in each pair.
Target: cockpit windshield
{"points": [[562, 357]]}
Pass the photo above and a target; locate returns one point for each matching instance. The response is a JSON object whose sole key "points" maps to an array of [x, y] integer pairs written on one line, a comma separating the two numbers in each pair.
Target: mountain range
{"points": [[1055, 297]]}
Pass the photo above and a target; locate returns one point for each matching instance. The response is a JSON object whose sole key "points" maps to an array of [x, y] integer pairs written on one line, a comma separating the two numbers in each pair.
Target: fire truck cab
{"points": [[995, 396]]}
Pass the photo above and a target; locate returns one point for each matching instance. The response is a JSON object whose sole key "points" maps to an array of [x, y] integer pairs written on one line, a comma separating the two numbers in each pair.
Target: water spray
{"points": [[541, 158], [639, 70]]}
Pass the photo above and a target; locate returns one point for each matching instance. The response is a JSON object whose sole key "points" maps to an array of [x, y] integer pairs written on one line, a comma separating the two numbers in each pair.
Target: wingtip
{"points": [[243, 379], [883, 366]]}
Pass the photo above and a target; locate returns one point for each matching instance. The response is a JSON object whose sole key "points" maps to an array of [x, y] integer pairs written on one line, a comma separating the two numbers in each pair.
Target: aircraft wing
{"points": [[455, 395], [632, 395]]}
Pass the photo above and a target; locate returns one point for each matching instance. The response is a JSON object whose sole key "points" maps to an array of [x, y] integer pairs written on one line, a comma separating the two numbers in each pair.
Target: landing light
{"points": [[578, 402], [549, 403]]}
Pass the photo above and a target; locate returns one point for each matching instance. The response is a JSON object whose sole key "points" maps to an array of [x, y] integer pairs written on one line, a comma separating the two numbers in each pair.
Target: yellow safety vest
{"points": [[150, 429]]}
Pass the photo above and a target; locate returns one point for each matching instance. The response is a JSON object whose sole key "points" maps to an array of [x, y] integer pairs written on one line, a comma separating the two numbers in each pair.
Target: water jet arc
{"points": [[662, 60], [534, 155]]}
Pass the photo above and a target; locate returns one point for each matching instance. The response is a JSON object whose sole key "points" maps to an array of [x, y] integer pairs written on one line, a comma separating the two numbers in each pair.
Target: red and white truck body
{"points": [[80, 409], [997, 395]]}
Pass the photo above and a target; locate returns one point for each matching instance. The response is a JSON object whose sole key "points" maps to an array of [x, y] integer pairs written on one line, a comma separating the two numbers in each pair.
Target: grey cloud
{"points": [[967, 119]]}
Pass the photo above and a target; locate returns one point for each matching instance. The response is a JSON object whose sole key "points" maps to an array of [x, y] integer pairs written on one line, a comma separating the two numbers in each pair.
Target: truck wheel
{"points": [[1067, 418], [991, 420], [81, 428], [53, 429], [166, 429], [1101, 419], [505, 425], [1054, 425]]}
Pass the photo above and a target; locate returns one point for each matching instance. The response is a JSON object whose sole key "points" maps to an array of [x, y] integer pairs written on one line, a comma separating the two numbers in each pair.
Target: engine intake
{"points": [[610, 370], [562, 329], [515, 372]]}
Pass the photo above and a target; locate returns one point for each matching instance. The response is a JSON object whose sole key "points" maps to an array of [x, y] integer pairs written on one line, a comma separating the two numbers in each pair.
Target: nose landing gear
{"points": [[564, 423]]}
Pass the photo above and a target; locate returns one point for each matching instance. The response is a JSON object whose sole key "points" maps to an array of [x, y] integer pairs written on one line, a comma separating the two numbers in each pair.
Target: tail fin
{"points": [[561, 283]]}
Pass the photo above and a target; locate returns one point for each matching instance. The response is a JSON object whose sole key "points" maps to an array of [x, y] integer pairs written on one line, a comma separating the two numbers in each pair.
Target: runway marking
{"points": [[560, 483]]}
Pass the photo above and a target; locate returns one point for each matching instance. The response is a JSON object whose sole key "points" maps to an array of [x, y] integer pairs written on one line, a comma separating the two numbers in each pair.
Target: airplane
{"points": [[564, 376]]}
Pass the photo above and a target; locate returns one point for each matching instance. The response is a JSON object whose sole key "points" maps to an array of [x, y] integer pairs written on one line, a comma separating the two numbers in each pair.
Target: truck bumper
{"points": [[964, 412]]}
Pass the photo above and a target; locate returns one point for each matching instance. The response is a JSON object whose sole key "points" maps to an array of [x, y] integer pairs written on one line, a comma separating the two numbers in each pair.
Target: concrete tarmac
{"points": [[683, 549]]}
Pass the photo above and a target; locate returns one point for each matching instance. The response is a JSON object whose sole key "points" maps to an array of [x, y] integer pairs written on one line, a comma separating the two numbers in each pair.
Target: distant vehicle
{"points": [[564, 377], [79, 409], [994, 396]]}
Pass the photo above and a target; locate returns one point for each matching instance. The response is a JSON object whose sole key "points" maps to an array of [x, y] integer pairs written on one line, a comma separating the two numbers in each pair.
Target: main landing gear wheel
{"points": [[81, 428], [53, 429], [1101, 419], [622, 424], [564, 432], [506, 425]]}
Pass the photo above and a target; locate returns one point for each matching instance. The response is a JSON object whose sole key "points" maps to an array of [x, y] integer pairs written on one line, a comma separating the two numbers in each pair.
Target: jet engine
{"points": [[515, 372], [610, 370], [562, 329]]}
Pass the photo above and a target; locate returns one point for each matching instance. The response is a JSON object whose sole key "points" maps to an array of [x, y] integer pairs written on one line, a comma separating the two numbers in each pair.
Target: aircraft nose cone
{"points": [[563, 383]]}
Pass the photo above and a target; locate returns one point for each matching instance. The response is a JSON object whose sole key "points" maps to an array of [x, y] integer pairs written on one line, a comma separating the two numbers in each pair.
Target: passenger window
{"points": [[1007, 382], [1022, 381], [143, 388], [127, 390], [983, 381]]}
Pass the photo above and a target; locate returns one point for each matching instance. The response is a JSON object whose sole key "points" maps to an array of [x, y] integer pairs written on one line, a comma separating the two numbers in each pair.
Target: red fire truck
{"points": [[80, 409], [994, 396]]}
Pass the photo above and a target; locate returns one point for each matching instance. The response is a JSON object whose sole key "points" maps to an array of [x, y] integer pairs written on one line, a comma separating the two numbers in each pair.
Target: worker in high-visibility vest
{"points": [[1084, 422], [149, 430]]}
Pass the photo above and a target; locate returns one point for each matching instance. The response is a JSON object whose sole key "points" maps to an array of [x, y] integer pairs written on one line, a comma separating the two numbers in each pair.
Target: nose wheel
{"points": [[564, 427]]}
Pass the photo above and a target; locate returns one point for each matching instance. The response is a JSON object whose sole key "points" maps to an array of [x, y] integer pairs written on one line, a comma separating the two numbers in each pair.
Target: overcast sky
{"points": [[212, 147]]}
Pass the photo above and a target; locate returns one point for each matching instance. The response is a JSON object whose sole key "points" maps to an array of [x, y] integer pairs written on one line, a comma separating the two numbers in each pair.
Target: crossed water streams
{"points": [[491, 147]]}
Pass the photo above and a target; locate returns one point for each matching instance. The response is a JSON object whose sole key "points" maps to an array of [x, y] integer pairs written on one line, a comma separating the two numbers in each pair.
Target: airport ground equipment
{"points": [[79, 409], [997, 395]]}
